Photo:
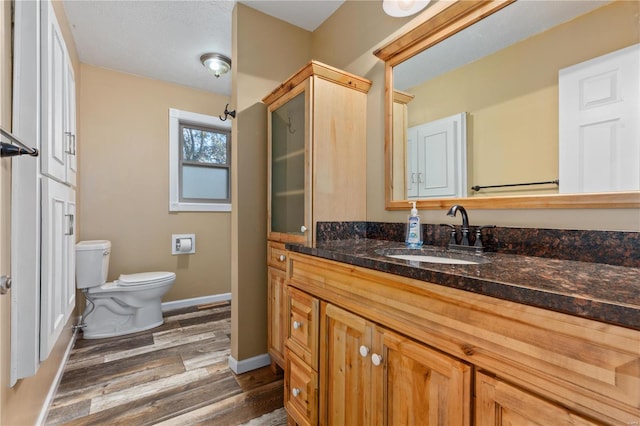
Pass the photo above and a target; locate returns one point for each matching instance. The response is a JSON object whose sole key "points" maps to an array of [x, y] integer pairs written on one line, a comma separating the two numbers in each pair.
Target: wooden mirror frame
{"points": [[438, 22]]}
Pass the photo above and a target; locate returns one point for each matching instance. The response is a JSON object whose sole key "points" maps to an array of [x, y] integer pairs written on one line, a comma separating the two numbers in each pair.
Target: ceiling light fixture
{"points": [[402, 8], [216, 63]]}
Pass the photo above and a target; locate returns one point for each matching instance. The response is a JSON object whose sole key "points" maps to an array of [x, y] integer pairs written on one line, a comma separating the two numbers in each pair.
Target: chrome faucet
{"points": [[465, 222]]}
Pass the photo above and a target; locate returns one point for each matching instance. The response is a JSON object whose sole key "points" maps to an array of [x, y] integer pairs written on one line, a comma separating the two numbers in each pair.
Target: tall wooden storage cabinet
{"points": [[317, 165]]}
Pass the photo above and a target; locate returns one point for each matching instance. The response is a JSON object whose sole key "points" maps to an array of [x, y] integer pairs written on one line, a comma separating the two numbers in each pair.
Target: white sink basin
{"points": [[433, 255], [433, 259]]}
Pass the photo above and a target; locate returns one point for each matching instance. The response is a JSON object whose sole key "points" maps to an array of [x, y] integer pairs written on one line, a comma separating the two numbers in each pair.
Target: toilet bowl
{"points": [[127, 305]]}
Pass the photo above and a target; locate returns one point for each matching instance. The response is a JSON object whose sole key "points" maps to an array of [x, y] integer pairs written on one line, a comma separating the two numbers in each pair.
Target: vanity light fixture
{"points": [[216, 63], [402, 8]]}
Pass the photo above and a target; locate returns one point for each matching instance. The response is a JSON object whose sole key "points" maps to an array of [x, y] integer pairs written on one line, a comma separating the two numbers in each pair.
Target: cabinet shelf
{"points": [[289, 155], [292, 193]]}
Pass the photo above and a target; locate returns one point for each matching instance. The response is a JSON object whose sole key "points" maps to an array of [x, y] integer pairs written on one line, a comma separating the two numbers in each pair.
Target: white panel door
{"points": [[70, 124], [599, 107], [54, 72], [436, 154], [57, 298], [412, 163], [52, 285], [25, 196], [436, 158], [70, 255]]}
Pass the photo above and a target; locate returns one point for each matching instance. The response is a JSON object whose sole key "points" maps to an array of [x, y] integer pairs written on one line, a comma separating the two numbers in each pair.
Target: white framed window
{"points": [[199, 162]]}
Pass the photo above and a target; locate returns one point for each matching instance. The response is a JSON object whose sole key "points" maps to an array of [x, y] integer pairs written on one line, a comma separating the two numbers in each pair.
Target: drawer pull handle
{"points": [[376, 359], [303, 229], [364, 351], [282, 258], [295, 392], [297, 325]]}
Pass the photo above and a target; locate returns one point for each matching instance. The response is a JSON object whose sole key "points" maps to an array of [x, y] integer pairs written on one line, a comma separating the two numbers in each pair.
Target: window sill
{"points": [[199, 207]]}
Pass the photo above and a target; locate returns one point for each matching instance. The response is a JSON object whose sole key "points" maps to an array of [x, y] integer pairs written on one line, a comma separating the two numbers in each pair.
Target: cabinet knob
{"points": [[297, 325], [282, 258], [376, 359], [295, 392], [364, 351], [303, 229]]}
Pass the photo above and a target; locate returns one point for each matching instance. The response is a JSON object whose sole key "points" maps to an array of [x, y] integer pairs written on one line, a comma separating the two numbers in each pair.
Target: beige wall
{"points": [[347, 39], [512, 98], [261, 63], [124, 182]]}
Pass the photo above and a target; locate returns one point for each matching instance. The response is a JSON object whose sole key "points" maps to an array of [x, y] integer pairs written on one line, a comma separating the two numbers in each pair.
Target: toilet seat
{"points": [[142, 278], [134, 282]]}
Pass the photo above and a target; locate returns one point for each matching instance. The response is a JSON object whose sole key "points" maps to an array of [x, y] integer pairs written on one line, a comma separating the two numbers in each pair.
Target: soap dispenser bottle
{"points": [[414, 229]]}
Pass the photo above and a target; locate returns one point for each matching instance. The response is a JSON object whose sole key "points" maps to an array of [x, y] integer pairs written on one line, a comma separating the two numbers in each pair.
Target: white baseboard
{"points": [[56, 380], [249, 364], [186, 303]]}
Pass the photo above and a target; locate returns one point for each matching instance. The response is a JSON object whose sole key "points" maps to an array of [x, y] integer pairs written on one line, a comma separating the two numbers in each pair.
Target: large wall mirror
{"points": [[482, 87]]}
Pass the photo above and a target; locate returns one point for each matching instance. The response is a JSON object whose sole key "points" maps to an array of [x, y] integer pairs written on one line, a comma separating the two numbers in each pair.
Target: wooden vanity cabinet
{"points": [[452, 357]]}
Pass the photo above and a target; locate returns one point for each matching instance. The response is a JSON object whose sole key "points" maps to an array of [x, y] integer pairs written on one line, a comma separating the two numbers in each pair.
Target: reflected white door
{"points": [[436, 158], [599, 107]]}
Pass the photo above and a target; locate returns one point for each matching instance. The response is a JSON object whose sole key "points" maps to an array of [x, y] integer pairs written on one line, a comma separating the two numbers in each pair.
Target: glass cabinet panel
{"points": [[288, 166]]}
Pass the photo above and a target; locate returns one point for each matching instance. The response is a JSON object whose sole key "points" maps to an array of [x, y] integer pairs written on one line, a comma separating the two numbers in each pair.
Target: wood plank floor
{"points": [[175, 374]]}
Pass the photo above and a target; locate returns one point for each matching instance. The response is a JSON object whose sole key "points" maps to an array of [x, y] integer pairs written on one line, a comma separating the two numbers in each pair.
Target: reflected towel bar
{"points": [[17, 147], [478, 187]]}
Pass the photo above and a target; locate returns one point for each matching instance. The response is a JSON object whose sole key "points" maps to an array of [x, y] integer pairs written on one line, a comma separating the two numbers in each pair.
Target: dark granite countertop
{"points": [[591, 290]]}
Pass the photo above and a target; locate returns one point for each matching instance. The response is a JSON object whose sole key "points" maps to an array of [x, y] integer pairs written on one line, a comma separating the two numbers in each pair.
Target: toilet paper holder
{"points": [[183, 244]]}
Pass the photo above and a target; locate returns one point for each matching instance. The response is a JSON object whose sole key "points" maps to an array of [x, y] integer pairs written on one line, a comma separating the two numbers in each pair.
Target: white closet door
{"points": [[25, 197], [599, 132], [57, 296], [437, 158], [412, 163], [70, 254], [54, 74], [70, 122], [52, 284]]}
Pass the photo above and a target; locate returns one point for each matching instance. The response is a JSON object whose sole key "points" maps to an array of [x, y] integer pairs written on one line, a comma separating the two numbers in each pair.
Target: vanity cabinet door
{"points": [[345, 367], [277, 302], [498, 403], [276, 293], [416, 385], [371, 375]]}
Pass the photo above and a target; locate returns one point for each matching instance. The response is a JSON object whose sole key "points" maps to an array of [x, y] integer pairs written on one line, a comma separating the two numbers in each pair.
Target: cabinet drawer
{"points": [[276, 255], [302, 334], [300, 390]]}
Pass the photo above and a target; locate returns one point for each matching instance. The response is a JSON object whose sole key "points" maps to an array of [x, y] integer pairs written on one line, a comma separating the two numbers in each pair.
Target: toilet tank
{"points": [[92, 263]]}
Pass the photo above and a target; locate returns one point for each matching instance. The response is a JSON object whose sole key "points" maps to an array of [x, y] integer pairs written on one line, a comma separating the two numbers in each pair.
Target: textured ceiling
{"points": [[164, 40], [514, 23]]}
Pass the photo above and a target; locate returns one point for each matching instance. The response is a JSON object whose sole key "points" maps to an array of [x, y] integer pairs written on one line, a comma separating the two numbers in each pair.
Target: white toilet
{"points": [[127, 305]]}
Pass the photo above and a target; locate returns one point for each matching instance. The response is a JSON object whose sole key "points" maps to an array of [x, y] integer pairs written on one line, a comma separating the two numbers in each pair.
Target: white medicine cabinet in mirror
{"points": [[524, 73]]}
